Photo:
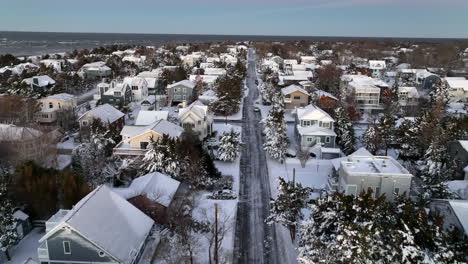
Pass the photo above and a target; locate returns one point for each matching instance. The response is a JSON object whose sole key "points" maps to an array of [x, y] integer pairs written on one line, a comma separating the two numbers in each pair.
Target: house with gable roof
{"points": [[106, 113], [294, 96], [101, 228], [314, 126], [180, 91], [53, 104], [197, 117]]}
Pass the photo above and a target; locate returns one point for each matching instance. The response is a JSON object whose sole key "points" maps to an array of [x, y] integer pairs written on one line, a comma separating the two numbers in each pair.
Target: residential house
{"points": [[191, 59], [155, 86], [228, 59], [314, 126], [408, 96], [101, 228], [458, 89], [215, 71], [55, 64], [366, 91], [138, 86], [294, 96], [324, 100], [180, 91], [106, 113], [454, 213], [136, 139], [297, 77], [52, 105], [152, 194], [153, 102], [198, 118], [95, 70], [115, 93], [382, 174], [377, 67], [208, 80], [458, 152], [308, 60], [43, 82], [138, 60]]}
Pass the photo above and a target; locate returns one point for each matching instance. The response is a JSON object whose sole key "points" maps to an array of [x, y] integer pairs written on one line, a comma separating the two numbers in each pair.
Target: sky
{"points": [[354, 18]]}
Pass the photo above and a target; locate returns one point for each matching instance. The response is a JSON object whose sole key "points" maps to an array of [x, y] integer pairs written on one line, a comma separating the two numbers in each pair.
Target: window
{"points": [[351, 190], [51, 105], [59, 105], [117, 94], [101, 254], [84, 123], [326, 124], [396, 191], [377, 192], [296, 97], [66, 247], [320, 123], [134, 88], [287, 96], [199, 122], [309, 139], [306, 123], [144, 145], [327, 139]]}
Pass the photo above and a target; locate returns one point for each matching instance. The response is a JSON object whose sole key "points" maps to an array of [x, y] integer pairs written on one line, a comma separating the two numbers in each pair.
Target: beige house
{"points": [[52, 105], [197, 117], [294, 96], [382, 174], [136, 139]]}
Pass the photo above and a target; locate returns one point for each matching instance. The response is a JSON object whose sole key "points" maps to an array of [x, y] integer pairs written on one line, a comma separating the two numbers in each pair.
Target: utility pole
{"points": [[216, 235], [294, 177]]}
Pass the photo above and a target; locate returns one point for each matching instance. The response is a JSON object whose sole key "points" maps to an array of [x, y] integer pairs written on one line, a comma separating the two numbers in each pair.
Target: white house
{"points": [[215, 71], [53, 104], [408, 96], [382, 174], [458, 89], [40, 82], [106, 113], [198, 118], [314, 126], [377, 67], [139, 87], [145, 118], [366, 91]]}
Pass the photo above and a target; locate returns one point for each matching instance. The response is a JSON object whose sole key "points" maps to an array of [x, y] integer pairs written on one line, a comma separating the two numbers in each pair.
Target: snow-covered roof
{"points": [[312, 112], [205, 78], [197, 108], [215, 71], [293, 88], [161, 126], [411, 91], [156, 186], [9, 132], [186, 83], [321, 93], [106, 113], [373, 165], [42, 80], [460, 208], [364, 82], [149, 74], [110, 222], [62, 97], [377, 64], [18, 214], [464, 144], [360, 152], [315, 131], [290, 61], [135, 81], [458, 84], [145, 118]]}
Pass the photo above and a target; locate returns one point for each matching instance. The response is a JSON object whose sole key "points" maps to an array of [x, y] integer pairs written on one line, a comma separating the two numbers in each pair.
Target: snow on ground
{"points": [[205, 211], [359, 130], [26, 248], [69, 144], [63, 161], [293, 144]]}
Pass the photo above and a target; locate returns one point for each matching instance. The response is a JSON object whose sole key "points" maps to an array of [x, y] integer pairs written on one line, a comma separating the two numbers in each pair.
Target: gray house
{"points": [[180, 91], [454, 212], [115, 93], [102, 228], [458, 152], [314, 126]]}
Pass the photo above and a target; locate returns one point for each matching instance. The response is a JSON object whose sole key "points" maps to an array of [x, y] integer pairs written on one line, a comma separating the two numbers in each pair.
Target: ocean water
{"points": [[39, 43]]}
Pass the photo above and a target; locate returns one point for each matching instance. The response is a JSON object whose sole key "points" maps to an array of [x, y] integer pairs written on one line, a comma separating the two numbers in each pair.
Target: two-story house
{"points": [[43, 82], [198, 118], [458, 89], [101, 228], [382, 174], [52, 105], [115, 93], [458, 152], [138, 86], [106, 113], [377, 67], [314, 126], [136, 139], [408, 96], [365, 90], [95, 70], [180, 91], [294, 96]]}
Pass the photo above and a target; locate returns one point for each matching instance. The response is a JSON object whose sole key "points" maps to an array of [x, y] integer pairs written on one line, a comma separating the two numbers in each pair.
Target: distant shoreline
{"points": [[25, 43]]}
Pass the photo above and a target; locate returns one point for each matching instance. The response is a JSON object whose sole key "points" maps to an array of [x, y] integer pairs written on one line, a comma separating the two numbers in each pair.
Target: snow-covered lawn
{"points": [[63, 161], [205, 211], [26, 248]]}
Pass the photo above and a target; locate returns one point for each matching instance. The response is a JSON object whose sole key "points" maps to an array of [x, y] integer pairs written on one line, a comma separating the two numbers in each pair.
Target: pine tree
{"points": [[344, 130], [386, 129], [162, 157], [286, 208], [372, 139], [8, 235], [276, 138], [230, 146]]}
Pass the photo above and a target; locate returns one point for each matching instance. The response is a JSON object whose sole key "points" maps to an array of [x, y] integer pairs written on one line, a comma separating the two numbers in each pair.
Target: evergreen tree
{"points": [[230, 146], [8, 235], [162, 157], [386, 129], [276, 138], [344, 130], [372, 139], [286, 208]]}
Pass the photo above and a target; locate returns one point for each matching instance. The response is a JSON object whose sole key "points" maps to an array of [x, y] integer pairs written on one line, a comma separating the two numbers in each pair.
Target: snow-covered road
{"points": [[255, 241]]}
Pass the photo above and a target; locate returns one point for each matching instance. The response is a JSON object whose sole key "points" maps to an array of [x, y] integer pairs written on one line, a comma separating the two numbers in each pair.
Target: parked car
{"points": [[223, 195], [256, 109]]}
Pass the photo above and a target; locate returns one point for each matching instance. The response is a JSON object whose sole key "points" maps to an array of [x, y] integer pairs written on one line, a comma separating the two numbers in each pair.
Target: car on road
{"points": [[256, 82], [256, 109]]}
